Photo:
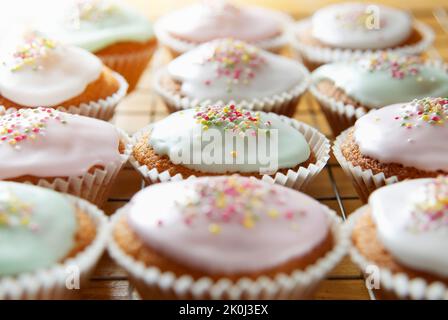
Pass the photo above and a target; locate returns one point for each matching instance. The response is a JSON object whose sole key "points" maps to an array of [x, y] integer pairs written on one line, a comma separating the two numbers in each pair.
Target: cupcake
{"points": [[348, 90], [222, 140], [119, 35], [68, 153], [231, 71], [225, 238], [403, 233], [350, 30], [394, 143], [182, 30], [39, 72], [45, 234]]}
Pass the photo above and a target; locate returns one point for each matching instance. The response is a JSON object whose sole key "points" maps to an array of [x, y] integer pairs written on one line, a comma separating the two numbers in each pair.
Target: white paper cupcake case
{"points": [[341, 116], [300, 284], [364, 181], [298, 180], [102, 109], [93, 187], [397, 283], [281, 103], [179, 46], [51, 283], [321, 55]]}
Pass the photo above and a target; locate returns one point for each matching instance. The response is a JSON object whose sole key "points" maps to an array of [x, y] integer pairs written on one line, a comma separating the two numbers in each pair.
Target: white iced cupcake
{"points": [[182, 30], [231, 71], [350, 30]]}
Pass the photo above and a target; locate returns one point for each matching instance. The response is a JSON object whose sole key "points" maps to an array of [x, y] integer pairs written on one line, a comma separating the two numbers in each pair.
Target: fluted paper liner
{"points": [[341, 116], [130, 65], [321, 55], [102, 109], [399, 284], [94, 186], [298, 179], [153, 283], [178, 46], [50, 283], [281, 103], [364, 181]]}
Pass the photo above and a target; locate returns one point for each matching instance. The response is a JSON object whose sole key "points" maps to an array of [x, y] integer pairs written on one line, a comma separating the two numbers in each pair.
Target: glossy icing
{"points": [[211, 20], [97, 24], [37, 228], [41, 72], [412, 222], [413, 134], [383, 79], [181, 130], [230, 69], [361, 26], [228, 224], [47, 143]]}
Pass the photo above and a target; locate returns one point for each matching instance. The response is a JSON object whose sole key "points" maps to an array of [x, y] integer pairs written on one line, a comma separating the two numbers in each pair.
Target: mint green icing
{"points": [[377, 88], [181, 130], [111, 23], [37, 228]]}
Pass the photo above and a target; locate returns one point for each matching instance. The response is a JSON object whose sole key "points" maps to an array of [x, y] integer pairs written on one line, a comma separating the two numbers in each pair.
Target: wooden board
{"points": [[332, 187]]}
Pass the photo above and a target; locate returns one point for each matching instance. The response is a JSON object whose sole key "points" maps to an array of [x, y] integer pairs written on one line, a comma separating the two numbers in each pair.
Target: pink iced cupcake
{"points": [[187, 28]]}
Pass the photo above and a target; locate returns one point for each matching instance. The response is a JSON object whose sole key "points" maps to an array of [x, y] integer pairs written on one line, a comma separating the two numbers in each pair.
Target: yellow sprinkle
{"points": [[233, 153], [205, 127], [214, 228], [425, 117], [3, 219], [25, 221], [12, 142], [248, 222], [221, 202], [273, 213]]}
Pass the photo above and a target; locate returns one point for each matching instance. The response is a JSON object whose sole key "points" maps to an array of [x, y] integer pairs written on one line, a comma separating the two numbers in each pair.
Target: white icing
{"points": [[168, 138], [61, 74], [199, 77], [392, 212], [59, 149], [267, 241], [381, 136], [218, 19], [338, 25]]}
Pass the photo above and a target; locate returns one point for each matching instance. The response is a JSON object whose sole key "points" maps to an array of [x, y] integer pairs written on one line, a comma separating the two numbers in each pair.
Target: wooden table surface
{"points": [[332, 187]]}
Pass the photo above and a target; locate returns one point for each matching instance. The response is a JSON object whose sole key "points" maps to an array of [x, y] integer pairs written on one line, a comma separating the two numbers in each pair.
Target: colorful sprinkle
{"points": [[398, 66], [235, 61], [25, 124], [233, 200], [15, 213], [229, 117], [34, 48], [91, 11], [432, 213], [356, 19], [432, 111]]}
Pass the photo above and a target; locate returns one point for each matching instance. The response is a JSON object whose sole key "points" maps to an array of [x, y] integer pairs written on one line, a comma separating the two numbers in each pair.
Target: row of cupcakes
{"points": [[224, 238], [333, 33], [124, 40], [82, 155]]}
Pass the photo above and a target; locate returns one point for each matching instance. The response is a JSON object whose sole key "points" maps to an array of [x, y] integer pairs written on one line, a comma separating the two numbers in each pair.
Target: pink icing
{"points": [[413, 134], [213, 20], [228, 224], [47, 143]]}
